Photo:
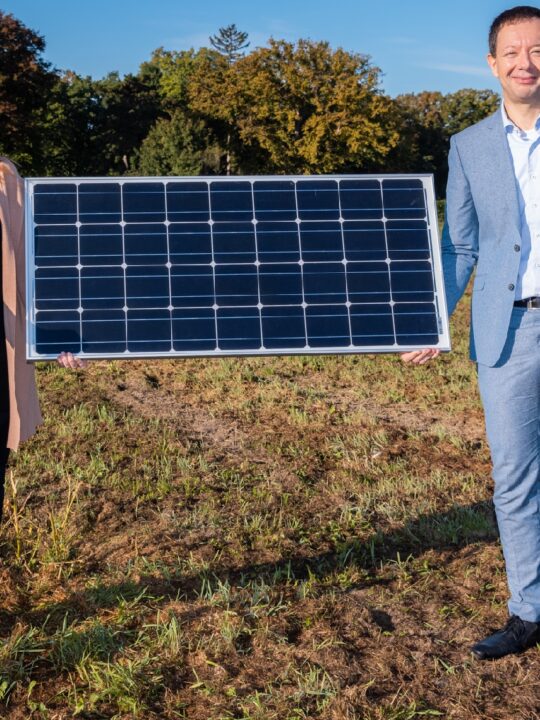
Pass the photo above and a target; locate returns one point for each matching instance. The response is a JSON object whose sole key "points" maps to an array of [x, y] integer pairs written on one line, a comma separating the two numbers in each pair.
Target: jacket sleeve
{"points": [[460, 232]]}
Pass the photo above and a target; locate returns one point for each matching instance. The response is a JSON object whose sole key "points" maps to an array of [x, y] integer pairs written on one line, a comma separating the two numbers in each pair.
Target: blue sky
{"points": [[418, 44]]}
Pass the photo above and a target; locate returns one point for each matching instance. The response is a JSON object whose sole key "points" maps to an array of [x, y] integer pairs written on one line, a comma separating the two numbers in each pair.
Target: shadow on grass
{"points": [[453, 529]]}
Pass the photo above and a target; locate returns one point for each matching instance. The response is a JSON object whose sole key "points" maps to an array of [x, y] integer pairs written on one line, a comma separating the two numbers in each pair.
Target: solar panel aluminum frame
{"points": [[435, 259]]}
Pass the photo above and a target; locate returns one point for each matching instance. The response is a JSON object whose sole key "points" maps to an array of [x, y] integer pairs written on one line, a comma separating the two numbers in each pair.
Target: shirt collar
{"points": [[510, 127]]}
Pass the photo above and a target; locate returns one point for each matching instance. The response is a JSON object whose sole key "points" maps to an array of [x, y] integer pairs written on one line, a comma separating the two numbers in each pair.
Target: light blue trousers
{"points": [[511, 397]]}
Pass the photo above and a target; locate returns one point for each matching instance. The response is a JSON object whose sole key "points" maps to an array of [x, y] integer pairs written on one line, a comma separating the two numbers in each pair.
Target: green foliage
{"points": [[285, 108], [94, 127], [182, 142], [173, 71], [427, 120], [25, 85], [467, 106], [178, 145], [300, 108]]}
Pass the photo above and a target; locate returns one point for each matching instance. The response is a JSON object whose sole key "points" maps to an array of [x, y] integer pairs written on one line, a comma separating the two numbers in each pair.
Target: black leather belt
{"points": [[532, 302]]}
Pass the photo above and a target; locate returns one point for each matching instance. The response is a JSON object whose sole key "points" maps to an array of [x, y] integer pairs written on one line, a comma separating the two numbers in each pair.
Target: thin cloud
{"points": [[184, 42], [401, 40], [197, 40], [476, 70]]}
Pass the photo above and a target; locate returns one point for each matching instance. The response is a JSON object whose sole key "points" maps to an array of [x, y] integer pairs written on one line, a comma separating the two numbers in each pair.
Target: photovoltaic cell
{"points": [[137, 267]]}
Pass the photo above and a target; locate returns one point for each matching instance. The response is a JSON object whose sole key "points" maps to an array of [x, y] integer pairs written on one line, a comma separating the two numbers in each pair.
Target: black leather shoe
{"points": [[517, 635]]}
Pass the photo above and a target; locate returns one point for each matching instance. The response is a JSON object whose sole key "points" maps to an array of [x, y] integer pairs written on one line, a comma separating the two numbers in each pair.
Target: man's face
{"points": [[517, 61]]}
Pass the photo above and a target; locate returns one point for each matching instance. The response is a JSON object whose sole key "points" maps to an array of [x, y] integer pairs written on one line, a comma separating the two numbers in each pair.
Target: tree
{"points": [[70, 126], [178, 145], [300, 108], [466, 107], [427, 120], [230, 42], [423, 144], [209, 97], [95, 127], [26, 82], [173, 70], [129, 107]]}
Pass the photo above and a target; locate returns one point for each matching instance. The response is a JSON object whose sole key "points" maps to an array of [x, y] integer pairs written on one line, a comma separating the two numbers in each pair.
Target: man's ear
{"points": [[492, 62]]}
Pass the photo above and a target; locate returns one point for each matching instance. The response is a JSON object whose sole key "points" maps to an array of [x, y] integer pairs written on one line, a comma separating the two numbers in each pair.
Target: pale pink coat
{"points": [[24, 415]]}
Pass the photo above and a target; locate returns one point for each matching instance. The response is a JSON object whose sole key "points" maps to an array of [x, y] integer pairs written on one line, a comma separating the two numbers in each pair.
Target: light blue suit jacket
{"points": [[482, 228]]}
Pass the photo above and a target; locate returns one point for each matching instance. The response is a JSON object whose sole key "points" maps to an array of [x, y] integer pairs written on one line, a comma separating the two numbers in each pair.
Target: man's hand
{"points": [[420, 357], [67, 360]]}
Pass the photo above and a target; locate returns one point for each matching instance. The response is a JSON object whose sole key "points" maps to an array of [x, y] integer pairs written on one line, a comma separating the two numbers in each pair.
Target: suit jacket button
{"points": [[511, 286], [517, 248]]}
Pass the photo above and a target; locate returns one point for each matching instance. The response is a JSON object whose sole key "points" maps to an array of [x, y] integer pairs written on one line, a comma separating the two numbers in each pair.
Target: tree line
{"points": [[293, 108]]}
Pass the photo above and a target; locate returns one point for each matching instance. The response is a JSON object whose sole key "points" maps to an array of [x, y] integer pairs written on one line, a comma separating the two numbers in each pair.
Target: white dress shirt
{"points": [[524, 147]]}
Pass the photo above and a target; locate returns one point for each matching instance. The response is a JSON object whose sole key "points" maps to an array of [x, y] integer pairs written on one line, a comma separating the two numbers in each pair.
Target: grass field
{"points": [[259, 539]]}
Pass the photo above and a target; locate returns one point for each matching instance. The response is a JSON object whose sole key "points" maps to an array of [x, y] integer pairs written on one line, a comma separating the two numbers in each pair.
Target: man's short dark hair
{"points": [[508, 17]]}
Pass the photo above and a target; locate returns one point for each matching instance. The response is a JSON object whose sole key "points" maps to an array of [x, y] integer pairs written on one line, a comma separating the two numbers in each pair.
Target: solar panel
{"points": [[149, 267]]}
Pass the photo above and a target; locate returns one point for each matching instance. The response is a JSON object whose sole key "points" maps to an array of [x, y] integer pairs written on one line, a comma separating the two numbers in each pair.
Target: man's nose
{"points": [[524, 60]]}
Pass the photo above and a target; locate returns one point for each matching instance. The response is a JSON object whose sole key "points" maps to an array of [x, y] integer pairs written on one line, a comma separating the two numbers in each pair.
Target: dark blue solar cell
{"points": [[360, 199], [148, 331], [280, 284], [192, 286], [404, 199], [274, 200], [324, 283], [145, 244], [321, 241], [143, 202], [368, 282], [190, 243], [234, 242], [147, 287], [401, 183], [283, 327], [364, 240], [327, 326], [57, 288], [236, 285], [55, 204], [231, 201], [57, 332], [100, 203], [239, 328], [188, 202], [317, 199], [407, 240], [412, 281], [103, 331], [101, 245], [372, 324], [102, 288], [194, 330], [56, 245], [278, 242], [416, 324]]}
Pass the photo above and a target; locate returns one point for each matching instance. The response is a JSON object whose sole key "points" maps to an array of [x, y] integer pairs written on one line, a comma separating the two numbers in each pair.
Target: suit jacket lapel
{"points": [[499, 158]]}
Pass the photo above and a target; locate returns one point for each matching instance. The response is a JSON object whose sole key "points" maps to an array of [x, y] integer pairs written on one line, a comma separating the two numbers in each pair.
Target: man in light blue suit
{"points": [[493, 225]]}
